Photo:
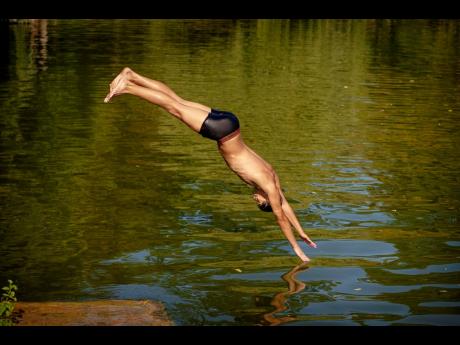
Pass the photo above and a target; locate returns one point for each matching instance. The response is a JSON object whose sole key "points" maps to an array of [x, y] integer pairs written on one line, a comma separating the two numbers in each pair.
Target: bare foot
{"points": [[118, 84]]}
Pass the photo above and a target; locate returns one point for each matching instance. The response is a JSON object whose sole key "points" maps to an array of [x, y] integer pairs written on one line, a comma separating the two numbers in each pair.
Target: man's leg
{"points": [[140, 80], [192, 117]]}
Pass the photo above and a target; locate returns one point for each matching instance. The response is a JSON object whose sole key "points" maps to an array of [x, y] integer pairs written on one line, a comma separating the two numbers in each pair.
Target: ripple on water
{"points": [[339, 215], [340, 307], [447, 268], [431, 319], [370, 249]]}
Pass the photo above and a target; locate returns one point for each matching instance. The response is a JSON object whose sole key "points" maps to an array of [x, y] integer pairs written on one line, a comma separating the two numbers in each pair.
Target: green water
{"points": [[360, 118]]}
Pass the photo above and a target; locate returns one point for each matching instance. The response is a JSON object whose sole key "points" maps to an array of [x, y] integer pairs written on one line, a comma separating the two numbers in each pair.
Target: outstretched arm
{"points": [[275, 199], [289, 212]]}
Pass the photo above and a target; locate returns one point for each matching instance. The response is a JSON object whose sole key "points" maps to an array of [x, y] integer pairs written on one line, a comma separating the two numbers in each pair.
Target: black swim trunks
{"points": [[220, 126]]}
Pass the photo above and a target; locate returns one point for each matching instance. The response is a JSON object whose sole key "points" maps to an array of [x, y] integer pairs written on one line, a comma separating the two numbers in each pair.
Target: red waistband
{"points": [[229, 136]]}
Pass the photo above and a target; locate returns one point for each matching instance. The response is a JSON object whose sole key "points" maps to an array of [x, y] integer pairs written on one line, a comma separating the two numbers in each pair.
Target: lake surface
{"points": [[360, 118]]}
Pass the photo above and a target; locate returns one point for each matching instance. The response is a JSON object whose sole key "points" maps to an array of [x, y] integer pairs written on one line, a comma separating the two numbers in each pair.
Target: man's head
{"points": [[262, 201]]}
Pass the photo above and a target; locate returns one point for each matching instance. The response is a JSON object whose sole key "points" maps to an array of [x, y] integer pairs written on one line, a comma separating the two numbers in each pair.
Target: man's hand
{"points": [[308, 241], [301, 254]]}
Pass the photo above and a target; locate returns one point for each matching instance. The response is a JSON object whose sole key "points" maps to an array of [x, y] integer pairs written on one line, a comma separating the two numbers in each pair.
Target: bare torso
{"points": [[244, 162]]}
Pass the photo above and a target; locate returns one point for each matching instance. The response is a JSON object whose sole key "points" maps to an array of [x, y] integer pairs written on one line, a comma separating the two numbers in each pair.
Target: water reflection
{"points": [[279, 300], [39, 41]]}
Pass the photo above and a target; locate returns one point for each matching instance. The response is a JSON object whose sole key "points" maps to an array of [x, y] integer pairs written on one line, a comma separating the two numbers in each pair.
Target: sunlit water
{"points": [[360, 118]]}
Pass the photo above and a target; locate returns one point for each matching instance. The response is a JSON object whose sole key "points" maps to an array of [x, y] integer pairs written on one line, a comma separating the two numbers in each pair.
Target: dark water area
{"points": [[360, 119]]}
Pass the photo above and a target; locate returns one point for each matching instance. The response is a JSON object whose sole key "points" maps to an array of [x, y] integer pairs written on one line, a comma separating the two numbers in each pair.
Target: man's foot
{"points": [[118, 84]]}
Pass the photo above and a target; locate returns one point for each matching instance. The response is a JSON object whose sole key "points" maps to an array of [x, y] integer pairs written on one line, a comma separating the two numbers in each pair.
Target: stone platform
{"points": [[92, 313]]}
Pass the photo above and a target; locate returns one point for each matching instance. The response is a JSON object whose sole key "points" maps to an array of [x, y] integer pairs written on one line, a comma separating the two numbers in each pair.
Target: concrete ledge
{"points": [[93, 313]]}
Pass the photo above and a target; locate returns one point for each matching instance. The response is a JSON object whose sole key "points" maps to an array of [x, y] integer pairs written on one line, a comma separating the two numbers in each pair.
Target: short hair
{"points": [[266, 207]]}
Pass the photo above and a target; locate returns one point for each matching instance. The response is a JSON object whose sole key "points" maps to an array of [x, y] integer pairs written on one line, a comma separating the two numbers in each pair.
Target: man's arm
{"points": [[275, 199], [289, 212]]}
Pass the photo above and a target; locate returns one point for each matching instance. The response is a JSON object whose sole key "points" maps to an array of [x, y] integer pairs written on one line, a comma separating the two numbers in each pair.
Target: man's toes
{"points": [[108, 97]]}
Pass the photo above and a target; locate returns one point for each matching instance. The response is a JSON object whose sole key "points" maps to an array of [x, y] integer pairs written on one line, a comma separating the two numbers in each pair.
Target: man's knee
{"points": [[174, 110]]}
